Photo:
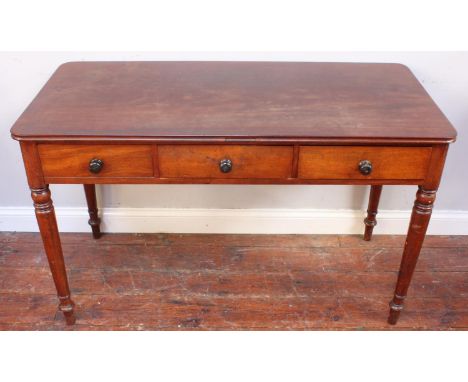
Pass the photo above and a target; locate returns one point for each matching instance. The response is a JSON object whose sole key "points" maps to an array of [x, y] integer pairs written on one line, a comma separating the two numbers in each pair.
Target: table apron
{"points": [[84, 163]]}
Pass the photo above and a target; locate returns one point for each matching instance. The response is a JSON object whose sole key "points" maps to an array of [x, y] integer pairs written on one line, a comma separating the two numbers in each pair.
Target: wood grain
{"points": [[60, 160], [232, 282], [254, 100], [332, 162], [202, 161], [273, 121]]}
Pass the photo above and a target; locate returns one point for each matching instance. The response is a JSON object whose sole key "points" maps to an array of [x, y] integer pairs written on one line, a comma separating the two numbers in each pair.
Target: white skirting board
{"points": [[259, 221]]}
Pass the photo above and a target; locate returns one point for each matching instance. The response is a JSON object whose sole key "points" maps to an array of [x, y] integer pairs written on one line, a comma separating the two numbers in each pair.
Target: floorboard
{"points": [[233, 282]]}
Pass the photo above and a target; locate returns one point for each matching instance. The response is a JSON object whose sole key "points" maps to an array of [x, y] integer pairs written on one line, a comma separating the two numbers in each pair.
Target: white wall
{"points": [[443, 74]]}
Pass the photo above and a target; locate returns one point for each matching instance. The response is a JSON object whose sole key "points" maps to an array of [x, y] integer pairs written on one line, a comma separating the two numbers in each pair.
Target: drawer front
{"points": [[343, 162], [70, 160], [208, 161]]}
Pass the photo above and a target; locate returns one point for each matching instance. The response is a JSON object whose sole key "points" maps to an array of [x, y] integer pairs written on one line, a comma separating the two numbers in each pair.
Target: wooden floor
{"points": [[224, 282]]}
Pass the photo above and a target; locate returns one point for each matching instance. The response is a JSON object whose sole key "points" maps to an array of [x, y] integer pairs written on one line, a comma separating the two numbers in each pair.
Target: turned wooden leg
{"points": [[45, 215], [94, 221], [370, 221], [417, 230]]}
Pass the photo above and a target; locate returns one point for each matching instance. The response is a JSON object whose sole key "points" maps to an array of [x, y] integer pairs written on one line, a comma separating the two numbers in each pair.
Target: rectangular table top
{"points": [[234, 100]]}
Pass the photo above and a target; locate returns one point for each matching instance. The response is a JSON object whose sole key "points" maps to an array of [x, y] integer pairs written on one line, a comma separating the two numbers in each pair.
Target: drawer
{"points": [[238, 161], [343, 162], [70, 160]]}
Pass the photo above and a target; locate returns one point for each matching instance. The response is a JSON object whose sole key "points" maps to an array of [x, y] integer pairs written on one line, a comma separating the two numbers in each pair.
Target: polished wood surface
{"points": [[47, 222], [60, 160], [233, 123], [419, 222], [371, 219], [94, 220], [332, 162], [233, 282], [248, 162], [250, 100]]}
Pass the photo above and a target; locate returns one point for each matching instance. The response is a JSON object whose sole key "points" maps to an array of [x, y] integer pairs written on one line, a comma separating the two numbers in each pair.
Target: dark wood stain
{"points": [[234, 99], [232, 123]]}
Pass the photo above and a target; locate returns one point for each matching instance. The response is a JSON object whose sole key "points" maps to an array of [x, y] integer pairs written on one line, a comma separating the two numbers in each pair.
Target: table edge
{"points": [[236, 140]]}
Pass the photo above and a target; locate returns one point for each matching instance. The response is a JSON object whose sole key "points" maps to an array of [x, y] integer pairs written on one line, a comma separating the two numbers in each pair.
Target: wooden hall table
{"points": [[233, 123]]}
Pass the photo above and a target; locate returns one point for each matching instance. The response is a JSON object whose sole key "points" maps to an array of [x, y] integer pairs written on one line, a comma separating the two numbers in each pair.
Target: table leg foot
{"points": [[67, 307], [369, 229], [396, 306], [95, 228]]}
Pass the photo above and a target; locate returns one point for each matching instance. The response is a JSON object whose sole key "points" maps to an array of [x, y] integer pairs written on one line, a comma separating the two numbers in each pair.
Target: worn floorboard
{"points": [[232, 282]]}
